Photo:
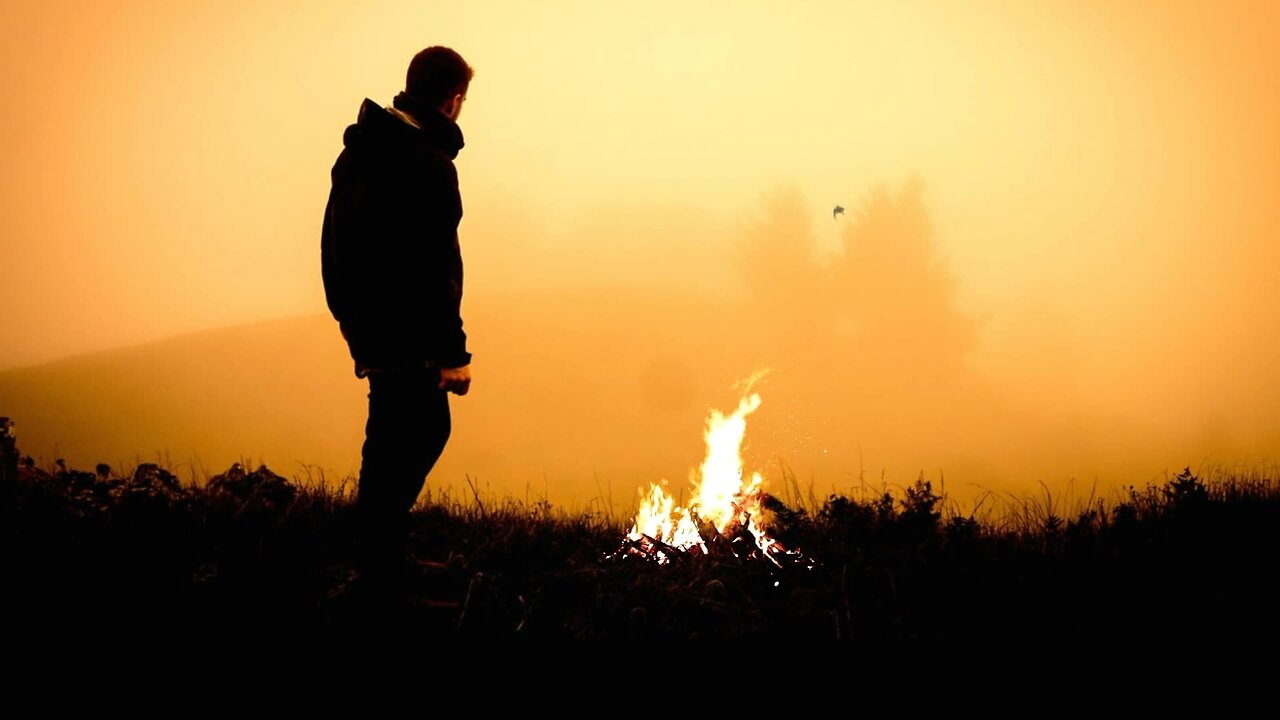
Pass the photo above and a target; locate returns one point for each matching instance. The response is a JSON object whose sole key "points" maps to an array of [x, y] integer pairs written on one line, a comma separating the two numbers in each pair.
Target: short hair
{"points": [[437, 74]]}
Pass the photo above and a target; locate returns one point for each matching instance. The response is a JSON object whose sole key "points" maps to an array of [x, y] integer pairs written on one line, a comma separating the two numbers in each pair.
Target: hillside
{"points": [[564, 384]]}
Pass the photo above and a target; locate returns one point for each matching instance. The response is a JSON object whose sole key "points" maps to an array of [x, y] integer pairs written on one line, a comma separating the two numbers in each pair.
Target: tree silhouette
{"points": [[777, 260], [897, 295]]}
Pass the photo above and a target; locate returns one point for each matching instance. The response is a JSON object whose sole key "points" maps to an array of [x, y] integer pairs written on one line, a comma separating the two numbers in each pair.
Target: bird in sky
{"points": [[837, 210]]}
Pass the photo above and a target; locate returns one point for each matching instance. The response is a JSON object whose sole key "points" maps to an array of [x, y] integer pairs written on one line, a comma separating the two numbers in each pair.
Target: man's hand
{"points": [[456, 380]]}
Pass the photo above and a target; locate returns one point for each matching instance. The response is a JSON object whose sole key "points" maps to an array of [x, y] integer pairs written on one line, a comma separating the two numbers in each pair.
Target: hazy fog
{"points": [[1059, 257]]}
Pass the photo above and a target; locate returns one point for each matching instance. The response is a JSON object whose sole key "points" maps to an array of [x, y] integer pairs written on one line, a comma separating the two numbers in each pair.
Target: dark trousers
{"points": [[407, 429]]}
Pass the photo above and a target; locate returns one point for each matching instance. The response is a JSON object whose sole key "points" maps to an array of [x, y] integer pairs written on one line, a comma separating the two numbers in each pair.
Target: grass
{"points": [[253, 552]]}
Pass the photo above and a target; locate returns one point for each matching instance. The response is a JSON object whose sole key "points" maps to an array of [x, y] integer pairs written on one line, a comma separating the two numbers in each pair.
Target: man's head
{"points": [[439, 77]]}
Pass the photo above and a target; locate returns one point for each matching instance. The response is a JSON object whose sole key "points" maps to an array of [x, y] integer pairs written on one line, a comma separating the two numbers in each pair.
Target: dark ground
{"points": [[250, 553]]}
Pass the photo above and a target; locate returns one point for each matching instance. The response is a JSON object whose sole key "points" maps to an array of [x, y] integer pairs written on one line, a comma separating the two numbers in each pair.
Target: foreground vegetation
{"points": [[251, 552]]}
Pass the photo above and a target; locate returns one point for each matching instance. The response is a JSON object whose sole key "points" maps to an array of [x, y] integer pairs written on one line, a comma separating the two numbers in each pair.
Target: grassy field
{"points": [[252, 552]]}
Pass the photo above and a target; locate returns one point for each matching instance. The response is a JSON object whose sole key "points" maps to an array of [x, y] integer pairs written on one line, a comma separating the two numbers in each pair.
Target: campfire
{"points": [[726, 516]]}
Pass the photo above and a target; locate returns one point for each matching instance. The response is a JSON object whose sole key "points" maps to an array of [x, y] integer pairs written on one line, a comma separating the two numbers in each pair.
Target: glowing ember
{"points": [[724, 508]]}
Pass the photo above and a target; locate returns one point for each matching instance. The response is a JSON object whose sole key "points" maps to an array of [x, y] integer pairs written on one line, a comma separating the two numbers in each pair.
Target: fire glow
{"points": [[726, 512]]}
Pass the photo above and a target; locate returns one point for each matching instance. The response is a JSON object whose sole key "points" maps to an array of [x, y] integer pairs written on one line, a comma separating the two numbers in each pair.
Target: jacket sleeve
{"points": [[442, 267]]}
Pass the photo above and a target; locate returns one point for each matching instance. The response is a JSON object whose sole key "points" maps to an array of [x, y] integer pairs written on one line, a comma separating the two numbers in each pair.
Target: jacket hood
{"points": [[377, 130]]}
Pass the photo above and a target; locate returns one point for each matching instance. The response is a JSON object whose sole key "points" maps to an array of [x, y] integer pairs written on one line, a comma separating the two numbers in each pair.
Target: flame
{"points": [[723, 505]]}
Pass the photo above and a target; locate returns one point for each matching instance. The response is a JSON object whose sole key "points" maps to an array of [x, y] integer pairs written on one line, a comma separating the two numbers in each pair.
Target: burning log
{"points": [[650, 548]]}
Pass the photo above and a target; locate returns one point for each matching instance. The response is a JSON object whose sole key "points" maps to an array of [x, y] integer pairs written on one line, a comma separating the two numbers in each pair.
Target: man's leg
{"points": [[405, 434]]}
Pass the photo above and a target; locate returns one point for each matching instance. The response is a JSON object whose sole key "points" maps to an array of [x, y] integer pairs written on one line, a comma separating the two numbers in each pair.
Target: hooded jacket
{"points": [[389, 253]]}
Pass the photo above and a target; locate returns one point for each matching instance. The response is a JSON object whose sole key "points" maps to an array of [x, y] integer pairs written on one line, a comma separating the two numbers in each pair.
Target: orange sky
{"points": [[1102, 178]]}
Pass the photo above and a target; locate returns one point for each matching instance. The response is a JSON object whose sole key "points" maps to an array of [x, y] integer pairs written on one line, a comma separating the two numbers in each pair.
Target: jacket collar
{"points": [[429, 128], [444, 133]]}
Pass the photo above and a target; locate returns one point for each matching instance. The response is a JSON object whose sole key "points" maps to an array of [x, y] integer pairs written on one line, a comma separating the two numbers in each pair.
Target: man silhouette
{"points": [[392, 272]]}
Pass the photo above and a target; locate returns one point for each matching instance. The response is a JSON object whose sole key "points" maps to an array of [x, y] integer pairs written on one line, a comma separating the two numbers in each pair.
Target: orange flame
{"points": [[722, 503]]}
